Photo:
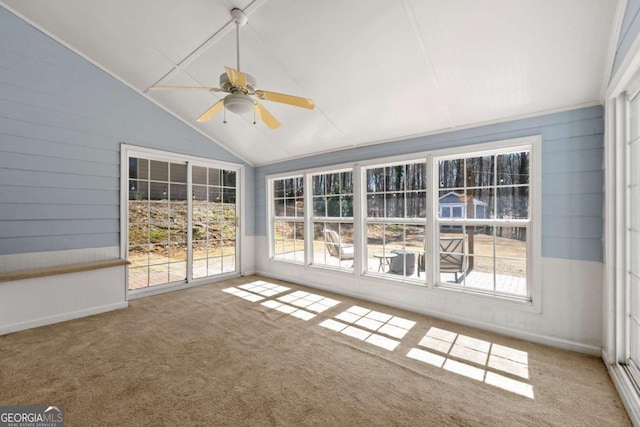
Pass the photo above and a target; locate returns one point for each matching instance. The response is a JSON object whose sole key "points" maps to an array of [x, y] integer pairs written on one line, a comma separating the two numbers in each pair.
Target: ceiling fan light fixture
{"points": [[238, 103]]}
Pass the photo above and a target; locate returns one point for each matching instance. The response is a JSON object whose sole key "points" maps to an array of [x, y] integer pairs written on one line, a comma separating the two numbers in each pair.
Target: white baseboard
{"points": [[525, 335], [607, 358], [16, 327]]}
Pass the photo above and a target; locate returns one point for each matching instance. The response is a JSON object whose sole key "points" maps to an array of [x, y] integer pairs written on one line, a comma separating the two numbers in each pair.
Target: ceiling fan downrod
{"points": [[240, 18]]}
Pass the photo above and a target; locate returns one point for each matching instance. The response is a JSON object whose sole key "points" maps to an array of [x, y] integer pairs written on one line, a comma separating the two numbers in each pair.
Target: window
{"points": [[332, 220], [484, 221], [458, 219], [396, 208], [214, 221], [288, 219], [181, 218]]}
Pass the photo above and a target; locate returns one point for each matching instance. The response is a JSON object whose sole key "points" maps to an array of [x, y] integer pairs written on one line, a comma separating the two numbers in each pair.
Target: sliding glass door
{"points": [[633, 234], [181, 220], [214, 221], [157, 222]]}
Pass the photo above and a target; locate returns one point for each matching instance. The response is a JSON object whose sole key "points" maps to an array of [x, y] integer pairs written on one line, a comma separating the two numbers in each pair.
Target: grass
{"points": [[158, 231], [159, 254]]}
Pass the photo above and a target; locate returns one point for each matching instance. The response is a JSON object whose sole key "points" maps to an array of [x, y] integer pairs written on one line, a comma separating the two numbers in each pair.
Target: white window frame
{"points": [[312, 220], [633, 369], [531, 145], [616, 321], [127, 151], [396, 161], [273, 218]]}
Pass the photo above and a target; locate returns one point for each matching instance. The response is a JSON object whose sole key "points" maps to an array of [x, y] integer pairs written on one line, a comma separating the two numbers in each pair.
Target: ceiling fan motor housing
{"points": [[227, 86]]}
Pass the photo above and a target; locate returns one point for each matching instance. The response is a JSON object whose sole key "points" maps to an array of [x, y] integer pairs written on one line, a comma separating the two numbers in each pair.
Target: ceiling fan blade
{"points": [[266, 116], [208, 89], [237, 78], [215, 109], [296, 101]]}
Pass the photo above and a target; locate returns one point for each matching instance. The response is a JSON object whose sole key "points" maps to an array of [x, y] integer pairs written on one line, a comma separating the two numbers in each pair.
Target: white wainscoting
{"points": [[569, 317], [247, 256], [41, 301]]}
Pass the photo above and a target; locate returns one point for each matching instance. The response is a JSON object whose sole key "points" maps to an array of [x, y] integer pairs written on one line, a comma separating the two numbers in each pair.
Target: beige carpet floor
{"points": [[207, 357]]}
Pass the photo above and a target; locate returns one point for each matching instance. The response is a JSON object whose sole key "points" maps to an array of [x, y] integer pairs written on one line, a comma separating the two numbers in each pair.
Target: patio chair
{"points": [[452, 261], [452, 255], [335, 247]]}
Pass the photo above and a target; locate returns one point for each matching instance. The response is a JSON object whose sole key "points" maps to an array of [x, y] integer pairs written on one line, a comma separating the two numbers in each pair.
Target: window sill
{"points": [[287, 261], [395, 278], [349, 271]]}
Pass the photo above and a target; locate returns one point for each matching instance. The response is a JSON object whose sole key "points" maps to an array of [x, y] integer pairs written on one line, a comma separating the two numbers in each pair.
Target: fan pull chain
{"points": [[224, 116], [254, 116]]}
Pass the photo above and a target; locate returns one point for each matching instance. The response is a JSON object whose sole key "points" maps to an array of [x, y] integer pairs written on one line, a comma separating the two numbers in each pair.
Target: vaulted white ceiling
{"points": [[377, 70]]}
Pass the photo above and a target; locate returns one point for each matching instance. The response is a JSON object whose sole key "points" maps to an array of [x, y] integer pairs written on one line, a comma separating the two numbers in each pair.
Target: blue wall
{"points": [[628, 33], [572, 174], [62, 121]]}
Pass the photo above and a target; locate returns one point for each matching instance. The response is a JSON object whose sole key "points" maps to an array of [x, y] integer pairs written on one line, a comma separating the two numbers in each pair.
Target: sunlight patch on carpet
{"points": [[287, 309], [426, 357], [312, 302], [299, 304], [393, 326], [361, 334], [383, 342], [264, 288], [368, 326], [476, 359], [256, 291], [243, 294], [333, 325], [509, 384]]}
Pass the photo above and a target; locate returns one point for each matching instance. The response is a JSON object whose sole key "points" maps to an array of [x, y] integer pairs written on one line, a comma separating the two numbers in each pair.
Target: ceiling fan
{"points": [[241, 87]]}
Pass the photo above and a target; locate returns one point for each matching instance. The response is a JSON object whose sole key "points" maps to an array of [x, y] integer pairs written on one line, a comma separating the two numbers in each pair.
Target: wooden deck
{"points": [[473, 279]]}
